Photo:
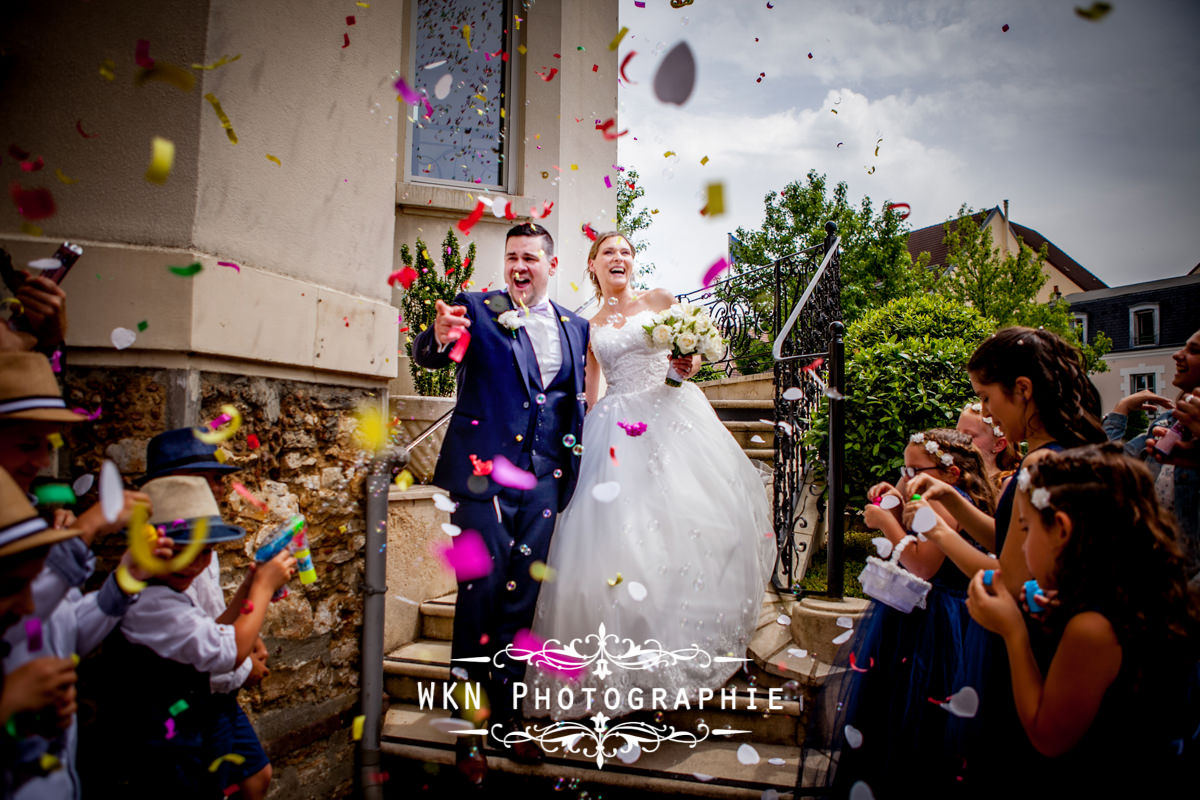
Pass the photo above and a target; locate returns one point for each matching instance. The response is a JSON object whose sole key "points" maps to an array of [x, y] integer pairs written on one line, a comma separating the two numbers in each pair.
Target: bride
{"points": [[667, 540]]}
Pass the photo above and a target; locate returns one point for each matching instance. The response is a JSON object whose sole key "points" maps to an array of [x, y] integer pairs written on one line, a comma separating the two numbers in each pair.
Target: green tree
{"points": [[1005, 288], [634, 221], [419, 303]]}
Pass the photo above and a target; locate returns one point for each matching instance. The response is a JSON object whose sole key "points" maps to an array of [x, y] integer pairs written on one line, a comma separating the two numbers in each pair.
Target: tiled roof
{"points": [[929, 240]]}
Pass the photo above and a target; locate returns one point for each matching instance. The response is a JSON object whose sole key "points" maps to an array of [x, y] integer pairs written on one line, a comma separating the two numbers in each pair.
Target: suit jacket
{"points": [[497, 389]]}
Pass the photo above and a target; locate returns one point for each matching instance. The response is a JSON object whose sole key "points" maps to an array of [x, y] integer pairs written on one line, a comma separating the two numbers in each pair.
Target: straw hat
{"points": [[21, 528], [180, 501], [28, 390]]}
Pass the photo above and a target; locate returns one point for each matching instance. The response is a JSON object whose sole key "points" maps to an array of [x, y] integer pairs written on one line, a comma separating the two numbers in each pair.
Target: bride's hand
{"points": [[687, 366]]}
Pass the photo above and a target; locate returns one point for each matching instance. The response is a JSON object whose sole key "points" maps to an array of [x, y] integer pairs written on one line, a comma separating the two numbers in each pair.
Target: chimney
{"points": [[1006, 210]]}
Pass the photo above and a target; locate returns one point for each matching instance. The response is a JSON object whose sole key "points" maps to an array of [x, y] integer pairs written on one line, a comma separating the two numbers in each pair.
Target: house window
{"points": [[1143, 325], [1142, 381], [458, 134], [1079, 324]]}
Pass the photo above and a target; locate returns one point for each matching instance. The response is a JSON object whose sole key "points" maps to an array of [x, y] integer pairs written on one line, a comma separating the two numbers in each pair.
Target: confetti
{"points": [[506, 473], [607, 182], [529, 643], [122, 338], [716, 199], [924, 520], [589, 231], [854, 737], [178, 708], [606, 492], [178, 77], [541, 572], [1004, 28], [79, 128], [897, 206], [466, 555], [170, 729], [632, 428], [704, 161], [32, 204], [188, 271], [141, 54], [106, 69], [617, 39], [225, 123], [469, 221], [49, 494], [639, 3], [548, 76], [33, 634], [710, 275], [466, 32], [460, 346], [275, 159], [357, 726], [232, 758], [373, 431], [612, 453], [405, 277], [616, 580], [844, 622], [889, 501], [547, 205], [796, 652], [854, 665], [1093, 13], [407, 92], [250, 498], [963, 703], [62, 176], [793, 393], [220, 62], [636, 591], [883, 546], [162, 159], [624, 63], [756, 439], [747, 755], [345, 40], [350, 20], [784, 619], [450, 529], [676, 76], [604, 127], [83, 484], [444, 503], [843, 638]]}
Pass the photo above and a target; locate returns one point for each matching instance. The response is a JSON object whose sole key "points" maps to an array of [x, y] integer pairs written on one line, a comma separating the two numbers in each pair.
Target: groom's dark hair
{"points": [[532, 229]]}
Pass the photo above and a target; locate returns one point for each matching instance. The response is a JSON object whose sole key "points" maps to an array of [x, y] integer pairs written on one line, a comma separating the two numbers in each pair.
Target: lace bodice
{"points": [[630, 362]]}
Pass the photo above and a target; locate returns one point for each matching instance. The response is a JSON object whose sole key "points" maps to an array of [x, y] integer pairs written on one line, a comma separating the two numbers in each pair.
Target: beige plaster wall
{"points": [[1006, 242]]}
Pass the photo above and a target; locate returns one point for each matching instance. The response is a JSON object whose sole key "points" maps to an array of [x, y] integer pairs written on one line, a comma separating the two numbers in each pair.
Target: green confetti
{"points": [[143, 325], [188, 271], [178, 708], [52, 494]]}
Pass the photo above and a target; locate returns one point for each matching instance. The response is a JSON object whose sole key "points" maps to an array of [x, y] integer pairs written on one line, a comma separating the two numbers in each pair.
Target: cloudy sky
{"points": [[1090, 130]]}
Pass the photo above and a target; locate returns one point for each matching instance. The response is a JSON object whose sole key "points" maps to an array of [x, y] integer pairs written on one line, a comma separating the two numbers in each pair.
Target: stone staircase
{"points": [[742, 403], [711, 769]]}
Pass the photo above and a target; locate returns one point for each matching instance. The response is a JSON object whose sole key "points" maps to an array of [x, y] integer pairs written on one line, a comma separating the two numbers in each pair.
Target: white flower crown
{"points": [[978, 409], [1040, 497], [932, 448]]}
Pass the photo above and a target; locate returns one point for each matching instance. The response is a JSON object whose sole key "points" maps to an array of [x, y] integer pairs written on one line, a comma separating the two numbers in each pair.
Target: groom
{"points": [[520, 396]]}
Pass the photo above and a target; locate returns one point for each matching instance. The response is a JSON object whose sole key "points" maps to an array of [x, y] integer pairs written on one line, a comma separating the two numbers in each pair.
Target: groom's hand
{"points": [[450, 322]]}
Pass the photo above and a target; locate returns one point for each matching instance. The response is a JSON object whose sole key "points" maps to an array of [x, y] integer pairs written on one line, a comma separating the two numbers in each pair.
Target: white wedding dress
{"points": [[691, 523]]}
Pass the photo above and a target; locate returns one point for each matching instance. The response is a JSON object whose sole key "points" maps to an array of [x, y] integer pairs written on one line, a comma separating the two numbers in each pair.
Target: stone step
{"points": [[760, 453], [710, 768], [733, 405], [437, 618], [751, 433]]}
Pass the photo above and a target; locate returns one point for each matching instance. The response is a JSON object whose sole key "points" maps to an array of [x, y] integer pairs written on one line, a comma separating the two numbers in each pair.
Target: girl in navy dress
{"points": [[1114, 711]]}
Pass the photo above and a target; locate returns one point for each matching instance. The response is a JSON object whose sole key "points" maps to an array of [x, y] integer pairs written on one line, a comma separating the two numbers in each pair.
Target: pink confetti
{"points": [[530, 643], [141, 54], [56, 361], [460, 347], [33, 634], [229, 264], [607, 182], [407, 92], [639, 3], [170, 729], [219, 421], [506, 473], [467, 555], [719, 266], [244, 492], [632, 428], [91, 415]]}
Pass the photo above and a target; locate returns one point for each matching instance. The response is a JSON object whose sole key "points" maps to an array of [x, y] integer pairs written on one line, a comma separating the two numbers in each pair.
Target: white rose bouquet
{"points": [[688, 330]]}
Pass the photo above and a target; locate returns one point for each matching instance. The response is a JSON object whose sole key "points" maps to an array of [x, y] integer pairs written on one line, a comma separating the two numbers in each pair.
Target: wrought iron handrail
{"points": [[831, 248]]}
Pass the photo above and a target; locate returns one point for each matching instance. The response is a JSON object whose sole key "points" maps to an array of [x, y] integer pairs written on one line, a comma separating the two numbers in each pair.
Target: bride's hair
{"points": [[595, 248]]}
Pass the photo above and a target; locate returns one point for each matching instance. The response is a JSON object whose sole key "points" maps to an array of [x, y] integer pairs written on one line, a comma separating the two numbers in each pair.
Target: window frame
{"points": [[1079, 320], [1152, 382], [511, 107], [1133, 312]]}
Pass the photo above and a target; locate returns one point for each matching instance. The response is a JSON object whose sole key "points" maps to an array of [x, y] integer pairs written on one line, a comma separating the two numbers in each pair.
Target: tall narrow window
{"points": [[1143, 325], [1144, 381], [461, 66], [1079, 325]]}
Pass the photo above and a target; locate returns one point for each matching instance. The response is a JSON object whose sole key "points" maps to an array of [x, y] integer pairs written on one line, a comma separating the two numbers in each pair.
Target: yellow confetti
{"points": [[616, 580], [275, 159], [871, 171], [654, 211], [502, 115], [373, 431], [357, 727], [106, 69], [18, 309], [49, 762], [704, 161], [56, 440], [617, 39], [542, 572], [404, 480], [222, 432], [220, 456], [522, 49], [29, 229], [363, 5], [668, 154], [877, 141], [574, 287], [144, 557], [716, 199], [162, 158], [225, 123], [834, 110], [62, 176], [75, 659], [574, 166], [222, 61], [128, 583], [178, 77], [466, 30], [232, 758]]}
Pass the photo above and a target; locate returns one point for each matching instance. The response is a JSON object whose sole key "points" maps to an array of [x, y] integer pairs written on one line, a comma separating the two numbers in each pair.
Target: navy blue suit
{"points": [[503, 408]]}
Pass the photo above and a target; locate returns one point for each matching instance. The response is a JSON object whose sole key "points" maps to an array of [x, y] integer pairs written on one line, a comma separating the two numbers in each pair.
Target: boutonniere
{"points": [[512, 320]]}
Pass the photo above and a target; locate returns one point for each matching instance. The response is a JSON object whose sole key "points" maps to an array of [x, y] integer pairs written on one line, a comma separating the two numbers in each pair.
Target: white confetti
{"points": [[796, 652], [434, 64], [756, 439], [792, 393], [606, 492], [963, 703], [122, 338], [112, 492], [636, 591], [786, 427], [747, 755], [451, 529], [924, 520], [449, 724], [630, 753], [444, 503], [441, 89], [883, 546], [843, 637], [404, 599], [45, 263], [860, 791], [776, 762], [784, 619], [845, 622], [853, 737], [83, 484], [889, 501], [700, 776]]}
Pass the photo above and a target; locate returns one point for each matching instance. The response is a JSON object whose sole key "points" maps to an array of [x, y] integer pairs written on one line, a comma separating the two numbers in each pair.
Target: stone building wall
{"points": [[306, 463]]}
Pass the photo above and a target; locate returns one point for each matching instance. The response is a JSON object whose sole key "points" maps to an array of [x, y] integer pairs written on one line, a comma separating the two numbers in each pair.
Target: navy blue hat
{"points": [[178, 451], [180, 501]]}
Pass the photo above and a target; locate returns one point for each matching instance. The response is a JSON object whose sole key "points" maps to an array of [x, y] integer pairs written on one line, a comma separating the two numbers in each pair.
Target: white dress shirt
{"points": [[542, 326]]}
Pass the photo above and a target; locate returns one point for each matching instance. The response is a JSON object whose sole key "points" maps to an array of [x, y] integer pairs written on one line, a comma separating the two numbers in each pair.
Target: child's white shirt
{"points": [[207, 594], [173, 626]]}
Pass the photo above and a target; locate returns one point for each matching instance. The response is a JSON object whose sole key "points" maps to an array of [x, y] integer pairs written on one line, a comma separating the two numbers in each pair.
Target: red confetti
{"points": [[141, 54], [603, 127], [897, 206], [624, 62], [469, 221], [816, 363], [479, 467], [247, 607], [32, 203], [460, 347], [595, 67], [589, 231], [761, 75], [404, 277], [17, 153], [612, 453], [484, 639], [345, 40], [810, 55], [548, 76], [546, 206], [350, 20], [33, 166], [1004, 28], [252, 441], [856, 668]]}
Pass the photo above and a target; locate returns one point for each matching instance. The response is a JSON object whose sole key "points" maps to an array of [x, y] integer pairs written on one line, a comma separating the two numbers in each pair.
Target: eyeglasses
{"points": [[911, 472]]}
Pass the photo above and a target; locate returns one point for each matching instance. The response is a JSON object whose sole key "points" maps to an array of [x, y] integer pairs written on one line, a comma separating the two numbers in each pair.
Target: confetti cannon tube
{"points": [[279, 538], [304, 564]]}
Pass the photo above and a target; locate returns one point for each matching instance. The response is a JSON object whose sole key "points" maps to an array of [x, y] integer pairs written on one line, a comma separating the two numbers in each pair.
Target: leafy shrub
{"points": [[420, 309], [899, 384]]}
